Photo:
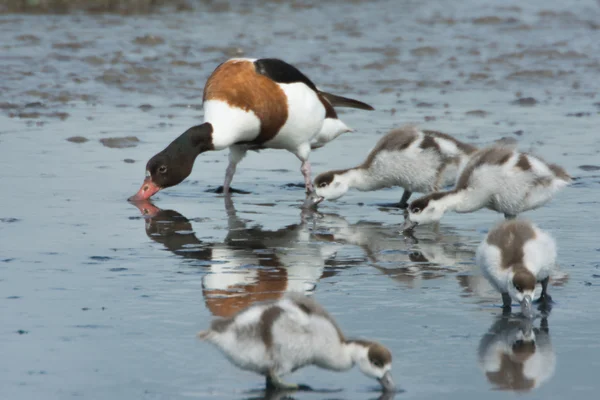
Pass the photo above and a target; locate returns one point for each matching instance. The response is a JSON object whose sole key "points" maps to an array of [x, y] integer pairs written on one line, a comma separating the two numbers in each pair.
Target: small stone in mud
{"points": [[129, 161], [579, 114], [13, 297], [589, 167], [35, 104], [85, 309], [477, 113], [146, 107], [493, 20], [423, 104], [77, 139], [112, 76], [9, 220], [518, 133], [424, 51], [148, 40], [22, 332], [120, 142], [94, 60], [28, 115], [8, 106], [100, 258], [118, 269], [28, 38], [525, 101]]}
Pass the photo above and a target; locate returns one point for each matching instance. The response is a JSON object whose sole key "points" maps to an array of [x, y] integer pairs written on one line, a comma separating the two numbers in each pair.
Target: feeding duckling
{"points": [[514, 257], [499, 178], [416, 160], [276, 338]]}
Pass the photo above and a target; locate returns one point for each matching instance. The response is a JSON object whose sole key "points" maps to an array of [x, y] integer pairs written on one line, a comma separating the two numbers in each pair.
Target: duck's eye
{"points": [[162, 169], [416, 210], [323, 184], [378, 364], [519, 288]]}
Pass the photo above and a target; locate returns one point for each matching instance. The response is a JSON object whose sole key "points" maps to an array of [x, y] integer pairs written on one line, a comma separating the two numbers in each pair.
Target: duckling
{"points": [[514, 256], [416, 160], [276, 338], [498, 177]]}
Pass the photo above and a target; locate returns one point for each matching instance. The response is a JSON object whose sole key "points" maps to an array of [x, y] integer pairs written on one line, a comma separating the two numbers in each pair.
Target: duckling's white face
{"points": [[375, 361], [330, 186]]}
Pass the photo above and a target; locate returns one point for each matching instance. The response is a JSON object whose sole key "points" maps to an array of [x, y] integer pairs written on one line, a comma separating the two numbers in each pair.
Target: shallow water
{"points": [[101, 299]]}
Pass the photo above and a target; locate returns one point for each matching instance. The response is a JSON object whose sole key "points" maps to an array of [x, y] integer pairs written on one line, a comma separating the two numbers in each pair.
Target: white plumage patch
{"points": [[230, 124], [305, 118]]}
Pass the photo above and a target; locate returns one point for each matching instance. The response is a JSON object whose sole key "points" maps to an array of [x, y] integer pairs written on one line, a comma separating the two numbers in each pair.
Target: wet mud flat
{"points": [[123, 7], [102, 299]]}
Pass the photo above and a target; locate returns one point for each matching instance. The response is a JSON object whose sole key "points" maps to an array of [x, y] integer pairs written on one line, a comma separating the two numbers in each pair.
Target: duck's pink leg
{"points": [[305, 169]]}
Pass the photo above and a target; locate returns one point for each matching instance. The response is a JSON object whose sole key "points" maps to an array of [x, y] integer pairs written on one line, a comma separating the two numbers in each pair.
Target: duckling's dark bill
{"points": [[387, 382], [526, 307], [147, 190], [408, 225]]}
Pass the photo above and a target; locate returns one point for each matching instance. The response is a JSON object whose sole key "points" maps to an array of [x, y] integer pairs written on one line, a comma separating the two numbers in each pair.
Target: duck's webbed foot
{"points": [[274, 382], [545, 297], [506, 303]]}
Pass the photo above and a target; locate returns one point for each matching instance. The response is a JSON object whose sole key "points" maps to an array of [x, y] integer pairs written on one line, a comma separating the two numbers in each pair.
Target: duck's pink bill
{"points": [[147, 190]]}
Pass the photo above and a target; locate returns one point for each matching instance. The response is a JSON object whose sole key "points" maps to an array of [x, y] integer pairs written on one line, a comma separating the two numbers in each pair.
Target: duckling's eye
{"points": [[323, 184], [378, 364], [416, 210], [162, 169], [519, 288]]}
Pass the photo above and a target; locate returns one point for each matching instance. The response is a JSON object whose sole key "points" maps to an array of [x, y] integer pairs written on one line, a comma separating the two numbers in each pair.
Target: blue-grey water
{"points": [[102, 300]]}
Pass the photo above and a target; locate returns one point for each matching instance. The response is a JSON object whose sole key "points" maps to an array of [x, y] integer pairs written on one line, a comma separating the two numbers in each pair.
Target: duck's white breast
{"points": [[305, 117], [230, 124]]}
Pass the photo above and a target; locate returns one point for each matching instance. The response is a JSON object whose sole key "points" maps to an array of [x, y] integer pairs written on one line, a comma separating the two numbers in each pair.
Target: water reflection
{"points": [[251, 264], [286, 395], [404, 259], [515, 355]]}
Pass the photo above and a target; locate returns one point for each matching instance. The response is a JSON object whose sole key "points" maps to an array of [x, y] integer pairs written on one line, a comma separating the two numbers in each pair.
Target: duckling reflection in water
{"points": [[515, 355], [407, 261], [276, 338], [250, 264]]}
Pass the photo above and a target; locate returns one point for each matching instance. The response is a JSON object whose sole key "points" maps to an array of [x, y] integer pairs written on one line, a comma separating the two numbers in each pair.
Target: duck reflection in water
{"points": [[404, 260], [515, 355], [250, 264]]}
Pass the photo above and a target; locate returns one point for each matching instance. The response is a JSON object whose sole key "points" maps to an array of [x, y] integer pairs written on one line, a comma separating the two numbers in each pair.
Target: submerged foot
{"points": [[219, 190], [274, 382]]}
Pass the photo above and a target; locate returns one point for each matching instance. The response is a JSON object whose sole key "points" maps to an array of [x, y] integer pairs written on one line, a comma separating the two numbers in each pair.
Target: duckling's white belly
{"points": [[489, 259], [539, 254], [305, 118]]}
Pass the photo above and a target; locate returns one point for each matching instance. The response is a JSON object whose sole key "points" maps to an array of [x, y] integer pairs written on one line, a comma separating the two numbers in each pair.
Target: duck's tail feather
{"points": [[339, 101]]}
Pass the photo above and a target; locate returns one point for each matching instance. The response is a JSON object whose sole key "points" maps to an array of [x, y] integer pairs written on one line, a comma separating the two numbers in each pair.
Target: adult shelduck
{"points": [[251, 105]]}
